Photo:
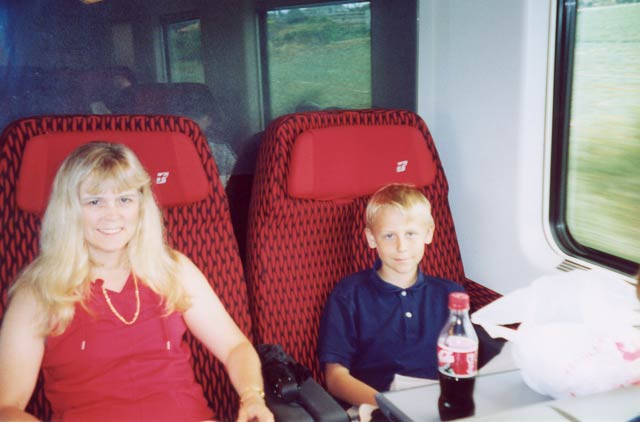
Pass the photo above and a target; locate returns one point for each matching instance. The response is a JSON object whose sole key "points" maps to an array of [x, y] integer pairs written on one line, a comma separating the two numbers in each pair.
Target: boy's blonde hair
{"points": [[59, 277], [403, 196]]}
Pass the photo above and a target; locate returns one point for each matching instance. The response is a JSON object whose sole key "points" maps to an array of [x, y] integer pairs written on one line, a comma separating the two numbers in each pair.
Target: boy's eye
{"points": [[388, 236]]}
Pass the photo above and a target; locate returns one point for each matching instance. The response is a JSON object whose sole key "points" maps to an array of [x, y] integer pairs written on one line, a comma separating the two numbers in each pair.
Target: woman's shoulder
{"points": [[184, 264], [25, 297], [26, 305], [187, 272], [179, 257]]}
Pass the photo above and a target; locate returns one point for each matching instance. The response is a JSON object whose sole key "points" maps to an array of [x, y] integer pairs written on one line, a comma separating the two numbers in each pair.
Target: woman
{"points": [[104, 306]]}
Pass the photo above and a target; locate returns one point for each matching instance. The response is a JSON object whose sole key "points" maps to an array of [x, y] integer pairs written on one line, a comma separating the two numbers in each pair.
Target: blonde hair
{"points": [[59, 277], [403, 196]]}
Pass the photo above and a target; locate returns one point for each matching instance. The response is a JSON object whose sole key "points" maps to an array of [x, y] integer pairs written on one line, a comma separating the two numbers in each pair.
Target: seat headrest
{"points": [[346, 162], [170, 158]]}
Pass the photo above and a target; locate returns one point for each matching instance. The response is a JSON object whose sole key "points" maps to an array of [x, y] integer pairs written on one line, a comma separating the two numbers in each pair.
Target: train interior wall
{"points": [[483, 88]]}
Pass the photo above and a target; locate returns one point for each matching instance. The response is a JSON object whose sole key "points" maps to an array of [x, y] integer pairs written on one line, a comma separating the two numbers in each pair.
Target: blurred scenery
{"points": [[319, 57], [603, 191], [184, 48]]}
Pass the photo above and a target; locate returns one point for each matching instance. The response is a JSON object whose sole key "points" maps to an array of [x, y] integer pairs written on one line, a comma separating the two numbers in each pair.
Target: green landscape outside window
{"points": [[603, 185], [319, 57], [184, 51]]}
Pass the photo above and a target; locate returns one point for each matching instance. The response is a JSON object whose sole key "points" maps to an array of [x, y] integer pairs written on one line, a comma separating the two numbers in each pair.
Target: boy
{"points": [[386, 320]]}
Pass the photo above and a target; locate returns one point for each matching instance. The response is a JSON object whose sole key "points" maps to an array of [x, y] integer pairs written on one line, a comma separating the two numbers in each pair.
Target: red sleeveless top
{"points": [[100, 369]]}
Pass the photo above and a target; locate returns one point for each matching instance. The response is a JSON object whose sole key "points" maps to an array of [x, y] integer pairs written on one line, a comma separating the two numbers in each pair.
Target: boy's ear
{"points": [[371, 240], [431, 227]]}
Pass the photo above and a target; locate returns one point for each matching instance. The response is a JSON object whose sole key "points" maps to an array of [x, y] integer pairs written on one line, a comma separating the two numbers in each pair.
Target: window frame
{"points": [[173, 19], [563, 74], [263, 51], [262, 12]]}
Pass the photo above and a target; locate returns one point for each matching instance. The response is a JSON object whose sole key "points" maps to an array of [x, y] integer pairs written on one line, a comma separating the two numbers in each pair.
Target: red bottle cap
{"points": [[458, 301]]}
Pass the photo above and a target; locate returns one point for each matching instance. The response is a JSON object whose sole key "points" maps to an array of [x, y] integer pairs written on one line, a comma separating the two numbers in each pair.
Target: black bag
{"points": [[291, 393]]}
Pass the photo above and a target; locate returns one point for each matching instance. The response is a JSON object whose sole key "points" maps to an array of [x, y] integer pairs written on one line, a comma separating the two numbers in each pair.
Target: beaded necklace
{"points": [[115, 311]]}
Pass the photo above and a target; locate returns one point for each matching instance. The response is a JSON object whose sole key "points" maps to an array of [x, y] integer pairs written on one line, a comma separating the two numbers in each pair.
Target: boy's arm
{"points": [[344, 386]]}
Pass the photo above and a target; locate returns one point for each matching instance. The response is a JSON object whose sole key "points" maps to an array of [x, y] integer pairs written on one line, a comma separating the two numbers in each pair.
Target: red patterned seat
{"points": [[201, 229], [299, 247]]}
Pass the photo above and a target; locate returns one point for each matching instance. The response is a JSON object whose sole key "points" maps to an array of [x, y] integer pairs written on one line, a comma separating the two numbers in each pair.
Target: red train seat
{"points": [[314, 174], [187, 185]]}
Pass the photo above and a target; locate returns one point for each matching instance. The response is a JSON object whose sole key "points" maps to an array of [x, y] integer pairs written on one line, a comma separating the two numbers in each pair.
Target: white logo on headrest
{"points": [[402, 166], [161, 177]]}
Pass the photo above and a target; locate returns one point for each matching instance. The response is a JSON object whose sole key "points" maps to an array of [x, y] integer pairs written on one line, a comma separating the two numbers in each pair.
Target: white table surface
{"points": [[620, 405], [500, 394], [493, 393]]}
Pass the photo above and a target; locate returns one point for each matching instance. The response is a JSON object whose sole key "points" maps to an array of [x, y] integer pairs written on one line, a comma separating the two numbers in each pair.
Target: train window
{"points": [[317, 57], [183, 50], [595, 200]]}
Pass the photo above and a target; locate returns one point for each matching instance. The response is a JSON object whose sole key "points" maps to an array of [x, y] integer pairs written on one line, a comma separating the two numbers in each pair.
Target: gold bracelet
{"points": [[250, 391]]}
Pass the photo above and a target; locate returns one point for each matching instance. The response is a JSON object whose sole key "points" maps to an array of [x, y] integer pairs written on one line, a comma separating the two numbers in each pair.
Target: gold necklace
{"points": [[115, 311]]}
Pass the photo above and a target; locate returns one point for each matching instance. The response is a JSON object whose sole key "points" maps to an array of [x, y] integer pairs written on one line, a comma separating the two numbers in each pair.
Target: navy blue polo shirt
{"points": [[376, 329]]}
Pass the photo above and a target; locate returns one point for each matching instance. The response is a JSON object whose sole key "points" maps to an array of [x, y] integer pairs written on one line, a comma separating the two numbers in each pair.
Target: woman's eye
{"points": [[93, 202], [127, 199]]}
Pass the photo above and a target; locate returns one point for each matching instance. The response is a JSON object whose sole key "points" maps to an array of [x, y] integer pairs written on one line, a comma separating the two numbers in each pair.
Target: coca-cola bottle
{"points": [[457, 361]]}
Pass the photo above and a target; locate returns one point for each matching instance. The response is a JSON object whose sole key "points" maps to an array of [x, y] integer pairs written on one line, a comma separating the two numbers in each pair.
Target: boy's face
{"points": [[400, 237]]}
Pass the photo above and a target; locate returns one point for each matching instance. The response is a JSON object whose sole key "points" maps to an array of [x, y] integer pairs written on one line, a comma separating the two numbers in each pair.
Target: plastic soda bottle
{"points": [[457, 361]]}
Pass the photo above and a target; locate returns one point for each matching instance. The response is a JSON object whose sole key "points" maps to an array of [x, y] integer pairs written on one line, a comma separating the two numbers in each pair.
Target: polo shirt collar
{"points": [[385, 286]]}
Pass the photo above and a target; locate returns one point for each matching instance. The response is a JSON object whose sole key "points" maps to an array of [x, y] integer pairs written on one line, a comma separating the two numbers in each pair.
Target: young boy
{"points": [[386, 320]]}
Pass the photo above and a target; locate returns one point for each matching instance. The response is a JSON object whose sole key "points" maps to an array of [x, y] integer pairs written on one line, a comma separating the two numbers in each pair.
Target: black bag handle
{"points": [[290, 391]]}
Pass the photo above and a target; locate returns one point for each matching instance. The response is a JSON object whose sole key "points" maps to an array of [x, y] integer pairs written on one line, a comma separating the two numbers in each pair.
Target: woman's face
{"points": [[109, 219]]}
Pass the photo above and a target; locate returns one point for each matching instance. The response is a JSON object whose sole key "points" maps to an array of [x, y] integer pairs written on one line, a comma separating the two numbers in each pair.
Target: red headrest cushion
{"points": [[170, 158], [345, 162]]}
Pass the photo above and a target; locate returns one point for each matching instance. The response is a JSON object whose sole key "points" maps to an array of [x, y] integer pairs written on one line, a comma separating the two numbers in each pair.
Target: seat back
{"points": [[188, 99], [194, 204], [314, 174], [78, 90]]}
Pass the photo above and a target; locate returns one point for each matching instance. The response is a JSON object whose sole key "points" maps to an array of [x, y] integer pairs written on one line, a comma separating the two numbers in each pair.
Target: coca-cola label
{"points": [[458, 357]]}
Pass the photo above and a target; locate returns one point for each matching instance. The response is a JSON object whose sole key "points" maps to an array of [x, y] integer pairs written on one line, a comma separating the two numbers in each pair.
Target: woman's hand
{"points": [[254, 409]]}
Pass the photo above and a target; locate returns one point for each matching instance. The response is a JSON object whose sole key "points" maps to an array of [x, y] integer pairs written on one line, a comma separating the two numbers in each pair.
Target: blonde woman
{"points": [[104, 306]]}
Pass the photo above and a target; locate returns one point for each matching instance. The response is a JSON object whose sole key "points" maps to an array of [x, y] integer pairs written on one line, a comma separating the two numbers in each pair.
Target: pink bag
{"points": [[578, 332]]}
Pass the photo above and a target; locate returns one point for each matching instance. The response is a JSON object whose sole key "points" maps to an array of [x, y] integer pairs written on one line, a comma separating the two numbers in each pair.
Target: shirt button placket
{"points": [[410, 324], [407, 313]]}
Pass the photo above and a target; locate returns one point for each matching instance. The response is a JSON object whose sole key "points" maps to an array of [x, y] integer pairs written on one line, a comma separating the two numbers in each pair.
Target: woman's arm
{"points": [[344, 386], [209, 321], [21, 351]]}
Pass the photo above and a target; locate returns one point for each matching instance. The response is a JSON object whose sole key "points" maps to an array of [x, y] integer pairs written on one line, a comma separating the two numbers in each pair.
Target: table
{"points": [[504, 397], [620, 405], [493, 393]]}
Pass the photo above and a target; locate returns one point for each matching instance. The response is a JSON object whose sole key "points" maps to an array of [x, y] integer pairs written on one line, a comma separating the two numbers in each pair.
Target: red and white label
{"points": [[458, 357]]}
